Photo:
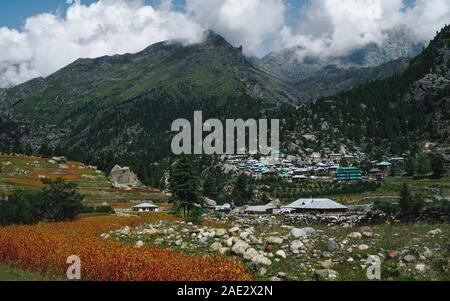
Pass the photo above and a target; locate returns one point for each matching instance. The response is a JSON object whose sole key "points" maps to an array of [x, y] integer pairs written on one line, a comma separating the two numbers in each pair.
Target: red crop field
{"points": [[46, 246]]}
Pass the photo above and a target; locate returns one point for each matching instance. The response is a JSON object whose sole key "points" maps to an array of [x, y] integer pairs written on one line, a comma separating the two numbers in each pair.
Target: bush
{"points": [[195, 216], [100, 209], [386, 207], [59, 202], [20, 209]]}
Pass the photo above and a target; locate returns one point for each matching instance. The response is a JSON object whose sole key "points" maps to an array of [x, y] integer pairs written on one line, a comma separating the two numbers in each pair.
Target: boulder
{"points": [[150, 231], [281, 254], [224, 250], [139, 244], [208, 203], [327, 264], [296, 246], [355, 235], [274, 240], [409, 258], [221, 232], [421, 268], [234, 230], [332, 245], [303, 232], [254, 240], [240, 247], [250, 253], [435, 232], [261, 260], [215, 247], [325, 274], [363, 247], [123, 176]]}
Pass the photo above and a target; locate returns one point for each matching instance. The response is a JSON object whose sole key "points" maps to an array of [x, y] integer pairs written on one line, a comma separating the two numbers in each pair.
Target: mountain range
{"points": [[315, 76], [120, 108]]}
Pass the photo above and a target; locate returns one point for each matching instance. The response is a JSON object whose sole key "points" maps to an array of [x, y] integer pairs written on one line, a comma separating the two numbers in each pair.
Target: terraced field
{"points": [[26, 173]]}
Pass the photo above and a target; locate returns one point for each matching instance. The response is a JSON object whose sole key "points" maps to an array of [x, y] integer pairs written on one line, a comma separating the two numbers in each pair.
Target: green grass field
{"points": [[12, 273]]}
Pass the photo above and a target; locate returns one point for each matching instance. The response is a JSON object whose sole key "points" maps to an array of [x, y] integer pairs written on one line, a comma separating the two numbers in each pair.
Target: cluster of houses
{"points": [[304, 205], [293, 169]]}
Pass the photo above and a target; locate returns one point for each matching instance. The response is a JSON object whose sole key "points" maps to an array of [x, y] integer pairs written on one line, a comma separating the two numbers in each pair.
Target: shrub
{"points": [[386, 207], [59, 202], [195, 216]]}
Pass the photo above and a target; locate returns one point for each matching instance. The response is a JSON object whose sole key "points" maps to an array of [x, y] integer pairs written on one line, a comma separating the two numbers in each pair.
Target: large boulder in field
{"points": [[121, 177], [303, 232]]}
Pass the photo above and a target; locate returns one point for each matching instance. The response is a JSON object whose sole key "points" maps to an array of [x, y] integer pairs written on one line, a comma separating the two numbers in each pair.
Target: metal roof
{"points": [[146, 205], [262, 208], [315, 204]]}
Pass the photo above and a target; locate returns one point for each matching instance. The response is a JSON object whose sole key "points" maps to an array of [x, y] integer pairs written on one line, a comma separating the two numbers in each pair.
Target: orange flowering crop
{"points": [[46, 246]]}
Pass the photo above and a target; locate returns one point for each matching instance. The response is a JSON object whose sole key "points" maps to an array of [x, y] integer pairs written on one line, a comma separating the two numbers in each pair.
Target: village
{"points": [[328, 167]]}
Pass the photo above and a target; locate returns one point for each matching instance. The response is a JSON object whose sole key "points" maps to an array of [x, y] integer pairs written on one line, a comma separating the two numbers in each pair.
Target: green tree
{"points": [[410, 204], [423, 165], [410, 166], [61, 201], [405, 198], [242, 192], [185, 184], [437, 165]]}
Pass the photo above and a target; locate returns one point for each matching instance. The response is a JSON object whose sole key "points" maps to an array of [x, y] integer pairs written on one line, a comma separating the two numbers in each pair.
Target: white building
{"points": [[146, 207]]}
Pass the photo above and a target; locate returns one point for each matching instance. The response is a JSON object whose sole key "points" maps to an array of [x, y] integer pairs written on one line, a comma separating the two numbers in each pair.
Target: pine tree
{"points": [[437, 165], [185, 184], [405, 199]]}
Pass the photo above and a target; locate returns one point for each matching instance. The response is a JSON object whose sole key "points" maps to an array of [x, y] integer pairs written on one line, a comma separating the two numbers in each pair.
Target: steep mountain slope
{"points": [[125, 104], [396, 115], [314, 77]]}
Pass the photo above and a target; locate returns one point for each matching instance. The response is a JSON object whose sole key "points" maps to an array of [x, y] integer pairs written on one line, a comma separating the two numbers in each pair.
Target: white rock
{"points": [[244, 235], [261, 260], [150, 231], [221, 232], [250, 253], [281, 253], [363, 247], [139, 244], [355, 235], [421, 268], [428, 253], [303, 232], [215, 247], [295, 246], [274, 240], [435, 232], [254, 240], [234, 230], [126, 230], [224, 251], [240, 247]]}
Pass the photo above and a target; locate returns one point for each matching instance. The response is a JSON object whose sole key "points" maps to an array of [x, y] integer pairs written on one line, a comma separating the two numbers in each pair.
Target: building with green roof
{"points": [[346, 174]]}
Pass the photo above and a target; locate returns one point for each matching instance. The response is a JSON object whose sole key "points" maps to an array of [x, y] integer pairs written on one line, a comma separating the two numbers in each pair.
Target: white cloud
{"points": [[333, 27], [242, 22], [48, 42]]}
